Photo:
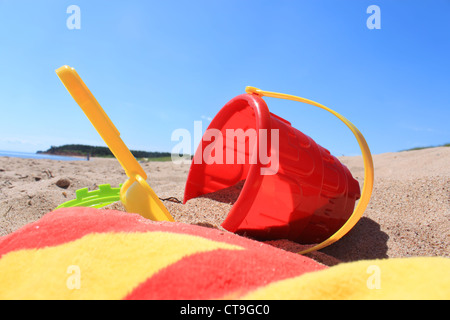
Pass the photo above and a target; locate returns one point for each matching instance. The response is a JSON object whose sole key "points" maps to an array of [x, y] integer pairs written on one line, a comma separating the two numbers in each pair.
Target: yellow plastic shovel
{"points": [[135, 194]]}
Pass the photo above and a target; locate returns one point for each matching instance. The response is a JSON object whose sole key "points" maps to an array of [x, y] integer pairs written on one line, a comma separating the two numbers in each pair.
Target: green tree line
{"points": [[93, 151]]}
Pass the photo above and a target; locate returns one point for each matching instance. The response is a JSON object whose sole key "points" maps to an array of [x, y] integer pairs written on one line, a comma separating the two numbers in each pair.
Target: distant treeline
{"points": [[427, 147], [84, 150]]}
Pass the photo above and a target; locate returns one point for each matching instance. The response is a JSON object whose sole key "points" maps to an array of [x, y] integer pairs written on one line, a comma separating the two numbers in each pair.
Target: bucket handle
{"points": [[368, 166]]}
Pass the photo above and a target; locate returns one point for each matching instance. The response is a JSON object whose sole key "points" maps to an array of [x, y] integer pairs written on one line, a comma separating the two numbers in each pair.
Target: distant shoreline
{"points": [[39, 156], [69, 154], [80, 150]]}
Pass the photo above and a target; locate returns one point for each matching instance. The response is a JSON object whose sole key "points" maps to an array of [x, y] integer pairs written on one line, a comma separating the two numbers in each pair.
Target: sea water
{"points": [[30, 155]]}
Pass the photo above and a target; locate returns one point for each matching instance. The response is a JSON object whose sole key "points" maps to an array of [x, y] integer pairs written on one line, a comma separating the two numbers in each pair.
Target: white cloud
{"points": [[206, 118], [421, 129]]}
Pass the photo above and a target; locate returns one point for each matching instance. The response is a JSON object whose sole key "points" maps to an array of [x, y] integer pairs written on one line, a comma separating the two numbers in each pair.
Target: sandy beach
{"points": [[408, 215]]}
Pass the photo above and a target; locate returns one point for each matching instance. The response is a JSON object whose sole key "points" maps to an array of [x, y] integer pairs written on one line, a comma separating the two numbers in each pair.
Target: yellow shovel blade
{"points": [[137, 196]]}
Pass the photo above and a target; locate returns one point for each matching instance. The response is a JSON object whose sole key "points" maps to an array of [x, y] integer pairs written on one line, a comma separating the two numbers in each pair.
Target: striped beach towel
{"points": [[85, 253]]}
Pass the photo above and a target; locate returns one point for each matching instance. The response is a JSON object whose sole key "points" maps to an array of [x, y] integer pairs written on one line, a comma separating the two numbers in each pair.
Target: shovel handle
{"points": [[100, 120]]}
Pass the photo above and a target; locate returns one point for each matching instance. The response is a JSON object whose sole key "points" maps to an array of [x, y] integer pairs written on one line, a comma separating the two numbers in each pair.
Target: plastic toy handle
{"points": [[100, 120], [368, 167]]}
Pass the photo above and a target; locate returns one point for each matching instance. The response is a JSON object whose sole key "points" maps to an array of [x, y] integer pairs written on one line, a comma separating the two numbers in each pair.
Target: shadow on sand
{"points": [[365, 241]]}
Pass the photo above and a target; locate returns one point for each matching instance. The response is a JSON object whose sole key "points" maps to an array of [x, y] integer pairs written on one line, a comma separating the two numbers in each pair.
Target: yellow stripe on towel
{"points": [[103, 265], [401, 278]]}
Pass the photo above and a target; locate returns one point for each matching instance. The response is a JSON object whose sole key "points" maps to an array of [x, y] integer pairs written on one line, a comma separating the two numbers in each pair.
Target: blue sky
{"points": [[156, 66]]}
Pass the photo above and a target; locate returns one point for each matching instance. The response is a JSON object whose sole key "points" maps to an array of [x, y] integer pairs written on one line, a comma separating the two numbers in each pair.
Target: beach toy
{"points": [[99, 198], [309, 196], [136, 195]]}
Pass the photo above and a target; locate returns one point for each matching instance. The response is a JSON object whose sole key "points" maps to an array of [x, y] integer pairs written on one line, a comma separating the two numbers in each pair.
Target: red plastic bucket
{"points": [[308, 195]]}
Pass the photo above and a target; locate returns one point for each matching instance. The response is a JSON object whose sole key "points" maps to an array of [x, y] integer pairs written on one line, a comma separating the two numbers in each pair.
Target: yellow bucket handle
{"points": [[368, 167]]}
